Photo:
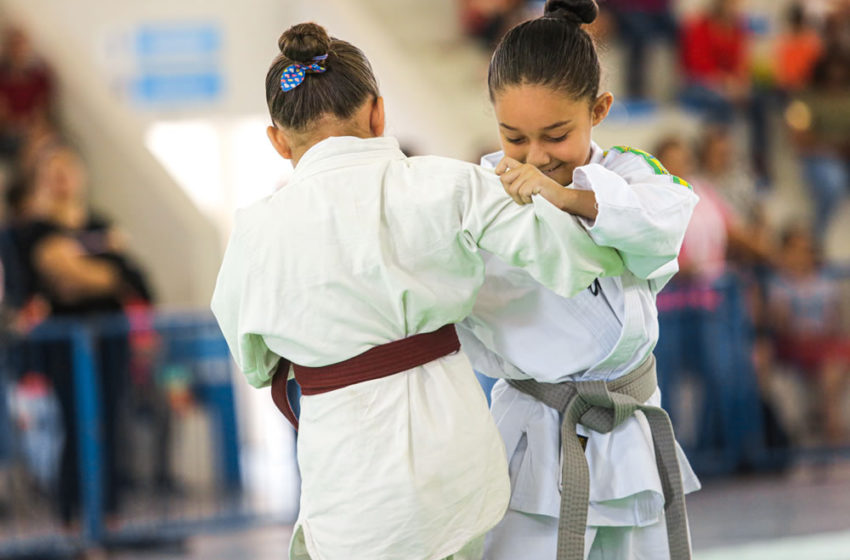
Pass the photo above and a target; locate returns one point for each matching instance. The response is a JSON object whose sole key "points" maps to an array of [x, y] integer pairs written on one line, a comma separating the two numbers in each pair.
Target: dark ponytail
{"points": [[339, 91], [552, 51], [581, 11]]}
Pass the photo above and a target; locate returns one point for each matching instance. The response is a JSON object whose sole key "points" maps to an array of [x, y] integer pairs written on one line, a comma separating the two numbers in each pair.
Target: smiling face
{"points": [[548, 129]]}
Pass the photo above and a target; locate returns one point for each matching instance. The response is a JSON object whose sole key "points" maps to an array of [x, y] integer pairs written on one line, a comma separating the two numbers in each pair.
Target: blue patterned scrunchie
{"points": [[294, 74]]}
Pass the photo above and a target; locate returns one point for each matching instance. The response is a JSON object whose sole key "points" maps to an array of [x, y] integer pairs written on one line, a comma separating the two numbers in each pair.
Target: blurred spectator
{"points": [[723, 174], [702, 259], [715, 60], [819, 119], [23, 307], [751, 239], [77, 263], [77, 259], [806, 309], [797, 51], [26, 91], [640, 24], [705, 329], [720, 163], [717, 70], [11, 285], [488, 20]]}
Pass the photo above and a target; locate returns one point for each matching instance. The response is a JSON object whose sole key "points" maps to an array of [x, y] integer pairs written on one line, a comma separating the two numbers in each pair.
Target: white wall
{"points": [[178, 243]]}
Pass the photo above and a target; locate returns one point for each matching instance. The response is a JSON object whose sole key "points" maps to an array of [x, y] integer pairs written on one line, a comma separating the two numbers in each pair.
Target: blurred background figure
{"points": [[639, 25], [488, 20], [706, 328], [26, 90], [819, 120], [75, 263], [805, 306], [715, 56], [798, 49], [717, 62]]}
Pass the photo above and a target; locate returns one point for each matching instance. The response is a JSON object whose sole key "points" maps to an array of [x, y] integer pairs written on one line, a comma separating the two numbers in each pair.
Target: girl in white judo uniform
{"points": [[544, 80], [363, 250]]}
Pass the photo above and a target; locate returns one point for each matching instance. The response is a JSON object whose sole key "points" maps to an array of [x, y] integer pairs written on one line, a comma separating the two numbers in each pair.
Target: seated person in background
{"points": [[77, 259], [76, 263], [806, 308]]}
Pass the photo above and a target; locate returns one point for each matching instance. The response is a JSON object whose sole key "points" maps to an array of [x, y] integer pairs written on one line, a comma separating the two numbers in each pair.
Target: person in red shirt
{"points": [[715, 60], [26, 90], [714, 54]]}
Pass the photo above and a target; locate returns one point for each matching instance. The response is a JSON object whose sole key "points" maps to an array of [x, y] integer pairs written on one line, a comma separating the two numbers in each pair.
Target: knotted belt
{"points": [[602, 407], [375, 363]]}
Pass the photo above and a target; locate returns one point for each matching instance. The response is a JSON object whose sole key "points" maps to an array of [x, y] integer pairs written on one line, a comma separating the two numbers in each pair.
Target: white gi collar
{"points": [[341, 151]]}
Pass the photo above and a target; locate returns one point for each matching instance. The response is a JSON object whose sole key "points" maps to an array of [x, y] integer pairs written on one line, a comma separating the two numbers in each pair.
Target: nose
{"points": [[537, 156]]}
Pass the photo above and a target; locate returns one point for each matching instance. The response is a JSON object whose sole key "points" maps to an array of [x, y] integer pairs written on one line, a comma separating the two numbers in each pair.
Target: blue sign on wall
{"points": [[193, 39], [177, 88], [178, 64]]}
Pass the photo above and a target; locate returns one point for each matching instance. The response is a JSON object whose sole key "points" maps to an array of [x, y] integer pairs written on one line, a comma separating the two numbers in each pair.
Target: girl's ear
{"points": [[280, 142], [601, 107], [377, 118]]}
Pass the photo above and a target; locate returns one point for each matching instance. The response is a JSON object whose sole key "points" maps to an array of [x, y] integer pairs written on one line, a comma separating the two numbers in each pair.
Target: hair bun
{"points": [[304, 41], [576, 11]]}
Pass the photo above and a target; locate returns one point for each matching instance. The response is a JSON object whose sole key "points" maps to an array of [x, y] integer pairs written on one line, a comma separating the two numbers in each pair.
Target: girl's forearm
{"points": [[578, 202]]}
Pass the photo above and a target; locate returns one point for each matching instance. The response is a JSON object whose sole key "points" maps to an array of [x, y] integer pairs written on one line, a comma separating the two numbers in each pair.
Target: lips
{"points": [[552, 169]]}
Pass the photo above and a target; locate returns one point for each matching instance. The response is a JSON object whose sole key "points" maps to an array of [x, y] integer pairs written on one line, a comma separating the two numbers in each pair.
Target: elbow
{"points": [[70, 291]]}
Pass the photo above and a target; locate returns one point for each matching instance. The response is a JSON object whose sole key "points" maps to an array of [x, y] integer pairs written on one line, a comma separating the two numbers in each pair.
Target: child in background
{"points": [[806, 309], [355, 273], [544, 85]]}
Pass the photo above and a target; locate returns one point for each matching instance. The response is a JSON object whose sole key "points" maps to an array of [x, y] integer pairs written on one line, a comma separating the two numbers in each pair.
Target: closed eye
{"points": [[557, 139], [514, 140]]}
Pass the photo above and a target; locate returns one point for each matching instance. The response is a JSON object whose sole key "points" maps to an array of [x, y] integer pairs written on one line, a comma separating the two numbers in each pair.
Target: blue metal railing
{"points": [[191, 341]]}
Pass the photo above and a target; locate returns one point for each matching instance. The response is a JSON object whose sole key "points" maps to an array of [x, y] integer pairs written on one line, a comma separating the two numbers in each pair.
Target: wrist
{"points": [[578, 202], [566, 200]]}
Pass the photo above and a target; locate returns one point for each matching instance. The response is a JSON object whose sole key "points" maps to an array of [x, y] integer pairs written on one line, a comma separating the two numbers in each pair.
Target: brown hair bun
{"points": [[303, 42]]}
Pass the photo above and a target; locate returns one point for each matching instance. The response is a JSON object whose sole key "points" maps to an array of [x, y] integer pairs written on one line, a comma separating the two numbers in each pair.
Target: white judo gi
{"points": [[521, 329], [365, 246]]}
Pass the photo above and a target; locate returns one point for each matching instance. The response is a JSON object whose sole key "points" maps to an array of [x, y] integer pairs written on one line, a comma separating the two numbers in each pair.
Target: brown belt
{"points": [[380, 361]]}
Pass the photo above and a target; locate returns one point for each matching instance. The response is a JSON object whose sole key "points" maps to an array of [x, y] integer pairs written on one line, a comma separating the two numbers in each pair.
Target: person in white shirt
{"points": [[352, 277], [624, 497]]}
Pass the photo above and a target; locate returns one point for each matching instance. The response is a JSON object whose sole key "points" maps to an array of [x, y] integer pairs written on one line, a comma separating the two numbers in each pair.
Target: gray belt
{"points": [[602, 407]]}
